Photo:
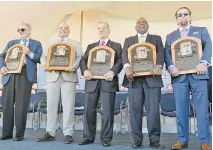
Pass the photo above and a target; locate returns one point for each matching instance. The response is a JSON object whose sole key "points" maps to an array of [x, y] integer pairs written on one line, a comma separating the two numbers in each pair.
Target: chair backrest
{"points": [[168, 102], [120, 97], [42, 95], [210, 84], [79, 99]]}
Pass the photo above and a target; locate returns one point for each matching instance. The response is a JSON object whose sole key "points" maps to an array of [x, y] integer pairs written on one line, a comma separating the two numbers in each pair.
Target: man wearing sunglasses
{"points": [[194, 82], [17, 87]]}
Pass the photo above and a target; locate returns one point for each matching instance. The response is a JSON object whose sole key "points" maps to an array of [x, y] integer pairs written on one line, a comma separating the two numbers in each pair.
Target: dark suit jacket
{"points": [[155, 81], [31, 64], [106, 86]]}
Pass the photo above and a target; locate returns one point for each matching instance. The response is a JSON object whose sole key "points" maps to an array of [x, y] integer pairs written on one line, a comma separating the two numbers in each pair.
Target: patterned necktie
{"points": [[24, 42], [184, 32], [61, 40], [141, 39], [103, 43]]}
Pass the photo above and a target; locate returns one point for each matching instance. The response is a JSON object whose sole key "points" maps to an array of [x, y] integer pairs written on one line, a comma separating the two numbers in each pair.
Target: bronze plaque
{"points": [[14, 59], [142, 58], [186, 54], [60, 56], [100, 61]]}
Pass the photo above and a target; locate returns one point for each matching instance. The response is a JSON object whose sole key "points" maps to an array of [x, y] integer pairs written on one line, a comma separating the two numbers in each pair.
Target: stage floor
{"points": [[120, 141]]}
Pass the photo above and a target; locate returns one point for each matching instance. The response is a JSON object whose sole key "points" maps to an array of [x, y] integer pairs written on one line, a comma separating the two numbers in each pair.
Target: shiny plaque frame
{"points": [[14, 59], [186, 54], [60, 56], [142, 58], [100, 61]]}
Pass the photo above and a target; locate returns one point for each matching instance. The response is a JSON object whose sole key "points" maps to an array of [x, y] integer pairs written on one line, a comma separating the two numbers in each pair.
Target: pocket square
{"points": [[195, 33]]}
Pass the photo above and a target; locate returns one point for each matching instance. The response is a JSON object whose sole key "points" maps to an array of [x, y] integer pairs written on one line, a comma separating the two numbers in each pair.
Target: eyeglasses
{"points": [[22, 30], [184, 14]]}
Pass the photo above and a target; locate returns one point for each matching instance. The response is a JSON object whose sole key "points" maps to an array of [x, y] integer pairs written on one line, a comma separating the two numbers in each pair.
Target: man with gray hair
{"points": [[96, 89], [61, 84], [17, 86]]}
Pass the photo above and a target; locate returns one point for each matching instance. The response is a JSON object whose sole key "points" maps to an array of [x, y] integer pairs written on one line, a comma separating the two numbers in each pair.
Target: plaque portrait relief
{"points": [[100, 56], [60, 56], [186, 54], [142, 58], [141, 53], [185, 49], [14, 59], [100, 61]]}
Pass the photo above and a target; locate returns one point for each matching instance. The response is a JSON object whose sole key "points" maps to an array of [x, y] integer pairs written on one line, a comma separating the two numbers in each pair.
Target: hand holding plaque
{"points": [[201, 68], [129, 73], [173, 70], [109, 76], [157, 70], [4, 71], [87, 75]]}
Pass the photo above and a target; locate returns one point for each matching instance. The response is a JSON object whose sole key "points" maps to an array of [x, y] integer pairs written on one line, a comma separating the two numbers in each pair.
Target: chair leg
{"points": [[39, 120]]}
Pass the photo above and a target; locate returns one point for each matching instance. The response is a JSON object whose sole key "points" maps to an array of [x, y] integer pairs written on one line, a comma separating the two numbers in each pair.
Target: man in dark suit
{"points": [[99, 88], [17, 87], [194, 82], [144, 88]]}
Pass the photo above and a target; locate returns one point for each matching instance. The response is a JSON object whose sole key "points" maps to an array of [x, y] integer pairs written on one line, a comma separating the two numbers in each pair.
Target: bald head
{"points": [[63, 30], [142, 25]]}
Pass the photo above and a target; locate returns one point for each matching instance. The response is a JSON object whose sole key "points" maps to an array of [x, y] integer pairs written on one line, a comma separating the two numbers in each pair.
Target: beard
{"points": [[184, 23]]}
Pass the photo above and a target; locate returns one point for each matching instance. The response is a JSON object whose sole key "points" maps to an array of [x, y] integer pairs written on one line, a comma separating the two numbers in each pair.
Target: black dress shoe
{"points": [[85, 141], [68, 139], [46, 137], [18, 138], [5, 137], [156, 145], [106, 142], [136, 144]]}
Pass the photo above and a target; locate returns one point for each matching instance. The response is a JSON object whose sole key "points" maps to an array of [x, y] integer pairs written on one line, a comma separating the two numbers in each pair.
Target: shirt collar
{"points": [[181, 28], [65, 39], [105, 40], [142, 35], [26, 39]]}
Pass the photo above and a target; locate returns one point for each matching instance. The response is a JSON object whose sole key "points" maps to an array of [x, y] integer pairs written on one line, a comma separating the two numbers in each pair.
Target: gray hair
{"points": [[104, 23], [27, 25]]}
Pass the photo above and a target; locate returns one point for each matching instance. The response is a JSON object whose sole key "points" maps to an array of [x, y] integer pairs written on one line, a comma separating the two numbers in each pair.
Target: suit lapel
{"points": [[177, 34], [148, 38], [135, 39], [30, 44], [109, 43], [191, 31]]}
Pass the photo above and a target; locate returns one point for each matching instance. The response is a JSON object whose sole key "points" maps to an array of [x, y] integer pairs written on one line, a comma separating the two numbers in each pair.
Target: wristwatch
{"points": [[205, 63]]}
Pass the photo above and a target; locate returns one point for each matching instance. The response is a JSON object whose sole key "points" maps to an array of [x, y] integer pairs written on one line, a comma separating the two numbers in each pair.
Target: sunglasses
{"points": [[184, 14], [22, 30]]}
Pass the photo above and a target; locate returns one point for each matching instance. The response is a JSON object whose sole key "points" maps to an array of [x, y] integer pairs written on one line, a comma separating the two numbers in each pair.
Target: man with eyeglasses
{"points": [[61, 85], [194, 82], [17, 87]]}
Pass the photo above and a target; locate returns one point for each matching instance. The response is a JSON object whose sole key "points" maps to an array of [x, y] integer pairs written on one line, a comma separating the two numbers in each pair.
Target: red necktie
{"points": [[102, 43]]}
